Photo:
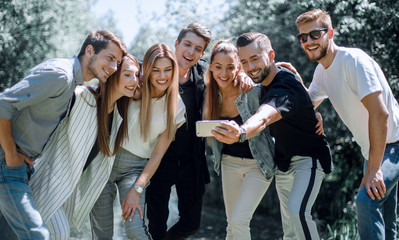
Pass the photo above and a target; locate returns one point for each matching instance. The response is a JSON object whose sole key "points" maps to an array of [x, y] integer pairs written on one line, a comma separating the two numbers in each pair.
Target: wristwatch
{"points": [[243, 134], [139, 189]]}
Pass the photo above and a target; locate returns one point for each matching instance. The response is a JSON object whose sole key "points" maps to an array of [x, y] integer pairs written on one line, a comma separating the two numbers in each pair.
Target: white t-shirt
{"points": [[135, 144], [353, 75]]}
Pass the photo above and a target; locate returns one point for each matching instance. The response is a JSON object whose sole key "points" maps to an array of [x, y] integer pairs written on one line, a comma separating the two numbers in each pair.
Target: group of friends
{"points": [[67, 148]]}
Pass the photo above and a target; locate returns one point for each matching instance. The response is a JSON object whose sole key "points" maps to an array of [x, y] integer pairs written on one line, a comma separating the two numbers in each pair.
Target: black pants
{"points": [[183, 175]]}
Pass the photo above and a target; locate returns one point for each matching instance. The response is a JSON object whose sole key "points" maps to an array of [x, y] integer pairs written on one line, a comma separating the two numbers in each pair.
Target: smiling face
{"points": [[316, 49], [189, 50], [128, 79], [104, 63], [224, 68], [255, 62], [161, 76]]}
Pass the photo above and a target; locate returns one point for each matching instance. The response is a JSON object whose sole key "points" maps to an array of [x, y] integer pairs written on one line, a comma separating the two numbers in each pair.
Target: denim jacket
{"points": [[261, 146]]}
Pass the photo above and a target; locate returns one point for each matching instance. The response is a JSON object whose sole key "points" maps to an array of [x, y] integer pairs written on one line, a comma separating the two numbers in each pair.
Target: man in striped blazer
{"points": [[30, 111]]}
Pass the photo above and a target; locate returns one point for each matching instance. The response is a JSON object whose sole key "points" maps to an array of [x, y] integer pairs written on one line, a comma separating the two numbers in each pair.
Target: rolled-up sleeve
{"points": [[38, 85]]}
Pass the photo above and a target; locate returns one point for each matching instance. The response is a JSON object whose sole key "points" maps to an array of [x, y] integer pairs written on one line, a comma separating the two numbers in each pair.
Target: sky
{"points": [[126, 12]]}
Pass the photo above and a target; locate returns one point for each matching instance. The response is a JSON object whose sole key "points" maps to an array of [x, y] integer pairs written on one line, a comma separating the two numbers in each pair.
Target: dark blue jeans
{"points": [[377, 218]]}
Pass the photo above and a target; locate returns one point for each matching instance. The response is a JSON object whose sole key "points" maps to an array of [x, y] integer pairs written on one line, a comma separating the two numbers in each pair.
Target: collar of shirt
{"points": [[77, 71]]}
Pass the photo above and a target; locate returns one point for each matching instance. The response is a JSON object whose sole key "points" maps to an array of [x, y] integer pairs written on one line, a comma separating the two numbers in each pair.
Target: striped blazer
{"points": [[58, 180]]}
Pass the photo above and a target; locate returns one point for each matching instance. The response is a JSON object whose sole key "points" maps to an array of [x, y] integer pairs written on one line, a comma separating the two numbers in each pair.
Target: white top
{"points": [[135, 144], [353, 75]]}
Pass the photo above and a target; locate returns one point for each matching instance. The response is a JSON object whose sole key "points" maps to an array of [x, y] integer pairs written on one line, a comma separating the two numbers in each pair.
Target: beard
{"points": [[322, 54], [93, 70], [264, 73]]}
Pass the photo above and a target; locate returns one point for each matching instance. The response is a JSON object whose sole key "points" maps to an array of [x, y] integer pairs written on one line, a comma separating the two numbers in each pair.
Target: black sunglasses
{"points": [[315, 34]]}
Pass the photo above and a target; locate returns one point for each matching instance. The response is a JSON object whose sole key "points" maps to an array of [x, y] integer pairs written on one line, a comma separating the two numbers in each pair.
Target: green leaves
{"points": [[32, 31]]}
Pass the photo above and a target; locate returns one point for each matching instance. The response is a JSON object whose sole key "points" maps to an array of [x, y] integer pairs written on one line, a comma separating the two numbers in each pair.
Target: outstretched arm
{"points": [[377, 127], [132, 199], [264, 116]]}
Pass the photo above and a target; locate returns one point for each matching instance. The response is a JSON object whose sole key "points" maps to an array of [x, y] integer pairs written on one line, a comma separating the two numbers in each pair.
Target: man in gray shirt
{"points": [[30, 111]]}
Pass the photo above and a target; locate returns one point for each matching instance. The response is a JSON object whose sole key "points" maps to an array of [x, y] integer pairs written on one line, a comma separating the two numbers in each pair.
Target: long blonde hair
{"points": [[154, 53]]}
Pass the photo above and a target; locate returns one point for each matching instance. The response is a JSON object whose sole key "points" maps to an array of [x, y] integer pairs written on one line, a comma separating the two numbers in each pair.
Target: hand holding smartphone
{"points": [[204, 127]]}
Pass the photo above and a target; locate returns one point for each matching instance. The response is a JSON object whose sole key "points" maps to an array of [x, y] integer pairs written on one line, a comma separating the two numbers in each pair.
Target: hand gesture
{"points": [[130, 204], [229, 132], [319, 125], [244, 81], [373, 181], [17, 159]]}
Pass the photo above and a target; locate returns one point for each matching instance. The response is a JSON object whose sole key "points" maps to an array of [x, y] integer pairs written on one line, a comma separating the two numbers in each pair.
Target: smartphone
{"points": [[205, 127]]}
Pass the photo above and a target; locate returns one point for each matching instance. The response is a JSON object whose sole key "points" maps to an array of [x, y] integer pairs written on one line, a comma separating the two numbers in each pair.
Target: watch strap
{"points": [[243, 134]]}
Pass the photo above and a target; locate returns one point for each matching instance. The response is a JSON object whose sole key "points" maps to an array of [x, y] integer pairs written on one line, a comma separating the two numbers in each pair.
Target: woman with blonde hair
{"points": [[153, 121], [247, 167]]}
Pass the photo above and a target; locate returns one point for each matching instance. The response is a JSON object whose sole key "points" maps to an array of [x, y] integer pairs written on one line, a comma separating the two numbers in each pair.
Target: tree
{"points": [[165, 27], [32, 31], [370, 25]]}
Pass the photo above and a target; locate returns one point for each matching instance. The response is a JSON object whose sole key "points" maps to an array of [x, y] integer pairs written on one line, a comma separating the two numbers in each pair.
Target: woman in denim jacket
{"points": [[247, 167]]}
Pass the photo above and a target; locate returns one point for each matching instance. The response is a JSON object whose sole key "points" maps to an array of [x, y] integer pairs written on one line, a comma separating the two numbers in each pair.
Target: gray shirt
{"points": [[39, 102]]}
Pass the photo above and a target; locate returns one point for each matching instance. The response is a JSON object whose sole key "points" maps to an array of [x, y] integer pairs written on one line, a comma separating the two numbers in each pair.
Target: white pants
{"points": [[297, 190], [243, 188], [58, 225]]}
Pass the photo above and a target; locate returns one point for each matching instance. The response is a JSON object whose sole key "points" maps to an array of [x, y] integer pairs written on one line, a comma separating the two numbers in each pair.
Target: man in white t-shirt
{"points": [[360, 94]]}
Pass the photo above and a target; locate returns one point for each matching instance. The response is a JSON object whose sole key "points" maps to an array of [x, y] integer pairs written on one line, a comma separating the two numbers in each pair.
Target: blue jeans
{"points": [[377, 218], [17, 206], [127, 168]]}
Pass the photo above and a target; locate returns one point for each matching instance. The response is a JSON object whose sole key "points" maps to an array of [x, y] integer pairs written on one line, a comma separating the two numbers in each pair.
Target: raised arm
{"points": [[263, 117], [377, 127], [244, 82]]}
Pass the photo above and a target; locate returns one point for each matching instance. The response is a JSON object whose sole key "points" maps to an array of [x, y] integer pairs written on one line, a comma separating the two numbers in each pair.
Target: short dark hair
{"points": [[260, 39], [100, 39], [198, 29]]}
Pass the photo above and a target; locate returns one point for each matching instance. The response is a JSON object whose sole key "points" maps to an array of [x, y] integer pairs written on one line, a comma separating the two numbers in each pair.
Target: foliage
{"points": [[147, 37], [166, 27], [370, 25], [32, 31]]}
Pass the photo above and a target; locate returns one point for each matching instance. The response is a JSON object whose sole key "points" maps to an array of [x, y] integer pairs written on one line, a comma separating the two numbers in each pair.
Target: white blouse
{"points": [[135, 144]]}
